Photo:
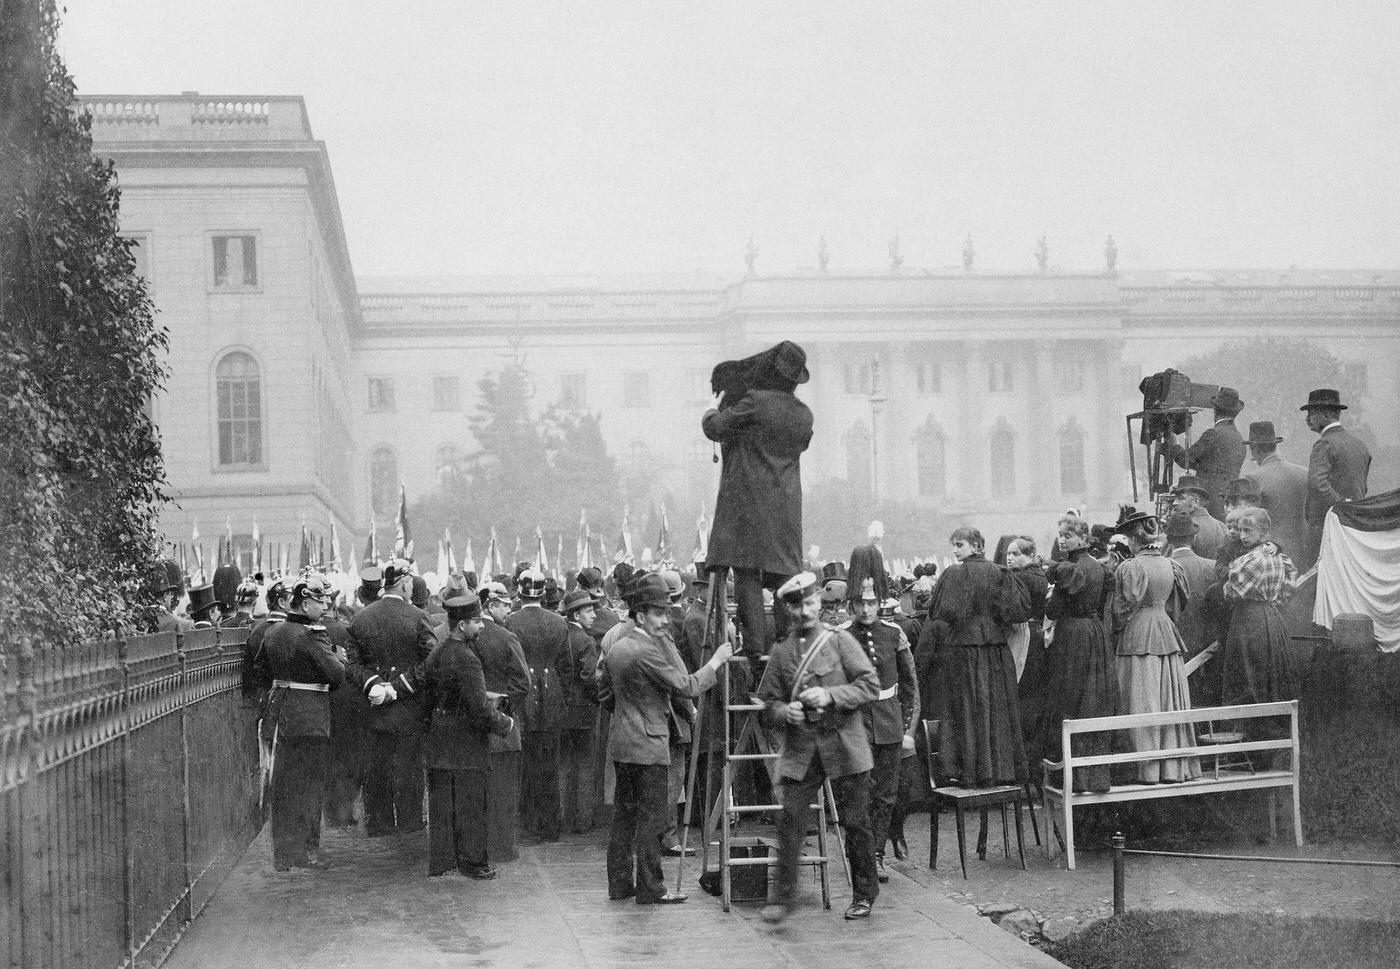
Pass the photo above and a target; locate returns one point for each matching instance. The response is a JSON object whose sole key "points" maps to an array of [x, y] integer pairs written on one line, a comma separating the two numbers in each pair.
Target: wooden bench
{"points": [[1058, 777]]}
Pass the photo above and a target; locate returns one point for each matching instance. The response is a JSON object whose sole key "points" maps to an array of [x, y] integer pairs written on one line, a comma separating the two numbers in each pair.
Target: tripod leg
{"points": [[835, 819]]}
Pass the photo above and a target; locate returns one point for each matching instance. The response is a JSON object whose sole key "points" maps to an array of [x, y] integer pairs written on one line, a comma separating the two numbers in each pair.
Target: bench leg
{"points": [[933, 834], [1020, 843], [982, 835], [1005, 835], [1069, 832], [962, 839], [1030, 806], [1297, 818], [1271, 805]]}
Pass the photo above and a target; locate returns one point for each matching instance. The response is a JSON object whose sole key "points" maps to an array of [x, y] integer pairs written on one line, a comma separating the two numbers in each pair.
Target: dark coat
{"points": [[389, 641], [969, 597], [1337, 469], [840, 736], [758, 514], [462, 717], [503, 664], [887, 718], [299, 651], [544, 636], [638, 675], [581, 689], [1283, 493], [1216, 457]]}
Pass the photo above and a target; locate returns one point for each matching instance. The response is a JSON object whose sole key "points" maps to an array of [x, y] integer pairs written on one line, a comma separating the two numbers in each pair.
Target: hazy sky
{"points": [[655, 136]]}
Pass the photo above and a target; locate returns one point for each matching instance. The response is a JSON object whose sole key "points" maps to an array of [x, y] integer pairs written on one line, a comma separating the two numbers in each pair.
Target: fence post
{"points": [[182, 659], [128, 849], [1119, 843]]}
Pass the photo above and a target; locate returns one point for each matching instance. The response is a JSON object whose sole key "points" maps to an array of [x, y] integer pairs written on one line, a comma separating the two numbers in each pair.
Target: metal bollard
{"points": [[1119, 843]]}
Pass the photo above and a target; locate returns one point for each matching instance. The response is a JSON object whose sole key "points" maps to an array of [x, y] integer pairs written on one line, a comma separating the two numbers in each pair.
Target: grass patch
{"points": [[1202, 940]]}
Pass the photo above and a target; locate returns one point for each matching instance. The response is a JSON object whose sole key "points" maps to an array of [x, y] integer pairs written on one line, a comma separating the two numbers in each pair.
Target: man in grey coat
{"points": [[1218, 454], [637, 678], [1339, 463], [1283, 492]]}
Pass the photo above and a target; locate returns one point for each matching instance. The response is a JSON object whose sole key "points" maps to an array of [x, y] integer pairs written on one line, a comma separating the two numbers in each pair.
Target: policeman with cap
{"points": [[816, 680], [503, 664], [545, 638], [305, 668], [578, 773], [257, 674], [389, 641], [889, 720], [456, 751]]}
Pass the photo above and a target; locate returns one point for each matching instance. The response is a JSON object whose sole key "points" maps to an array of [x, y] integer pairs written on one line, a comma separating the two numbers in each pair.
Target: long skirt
{"points": [[1031, 686], [1257, 665], [1157, 684], [1081, 682], [980, 740]]}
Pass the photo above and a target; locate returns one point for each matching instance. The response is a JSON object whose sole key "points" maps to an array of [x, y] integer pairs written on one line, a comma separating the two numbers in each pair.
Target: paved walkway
{"points": [[377, 908]]}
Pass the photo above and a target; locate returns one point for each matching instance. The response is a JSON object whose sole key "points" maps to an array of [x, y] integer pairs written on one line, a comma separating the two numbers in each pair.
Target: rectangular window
{"points": [[447, 393], [235, 262], [573, 389], [381, 395], [858, 379], [636, 390], [928, 377], [999, 376]]}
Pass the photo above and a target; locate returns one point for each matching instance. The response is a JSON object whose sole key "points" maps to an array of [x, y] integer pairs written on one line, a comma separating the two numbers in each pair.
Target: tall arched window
{"points": [[383, 480], [1003, 453], [858, 457], [1071, 459], [448, 462], [930, 453], [238, 400]]}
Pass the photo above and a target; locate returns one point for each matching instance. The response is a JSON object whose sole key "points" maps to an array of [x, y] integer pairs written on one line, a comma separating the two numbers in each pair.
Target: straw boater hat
{"points": [[1326, 398]]}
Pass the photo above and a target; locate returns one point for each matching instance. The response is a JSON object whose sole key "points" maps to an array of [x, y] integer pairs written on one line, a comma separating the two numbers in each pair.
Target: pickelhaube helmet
{"points": [[531, 584]]}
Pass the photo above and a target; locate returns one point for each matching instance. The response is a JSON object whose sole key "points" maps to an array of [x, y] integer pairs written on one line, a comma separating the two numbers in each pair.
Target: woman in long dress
{"points": [[1081, 679], [975, 692], [1151, 675], [1257, 665], [1031, 661]]}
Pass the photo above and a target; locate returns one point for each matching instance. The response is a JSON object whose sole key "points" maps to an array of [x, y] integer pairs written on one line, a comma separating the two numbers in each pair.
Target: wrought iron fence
{"points": [[128, 779]]}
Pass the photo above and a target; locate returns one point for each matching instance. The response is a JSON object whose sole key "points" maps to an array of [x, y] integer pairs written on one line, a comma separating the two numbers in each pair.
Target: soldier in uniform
{"points": [[1218, 454], [257, 675], [305, 668], [389, 640], [545, 638], [503, 664], [816, 680], [889, 720], [243, 598], [456, 751], [578, 774], [350, 713]]}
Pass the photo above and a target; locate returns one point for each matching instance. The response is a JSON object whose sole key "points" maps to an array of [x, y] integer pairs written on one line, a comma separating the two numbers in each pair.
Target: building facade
{"points": [[298, 396]]}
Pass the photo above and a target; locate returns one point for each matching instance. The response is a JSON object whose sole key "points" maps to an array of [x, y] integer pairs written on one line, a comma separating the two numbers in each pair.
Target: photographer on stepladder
{"points": [[815, 684]]}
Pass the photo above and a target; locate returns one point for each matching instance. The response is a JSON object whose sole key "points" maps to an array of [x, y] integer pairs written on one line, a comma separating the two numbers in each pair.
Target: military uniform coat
{"points": [[462, 717], [1216, 457], [758, 514], [888, 648], [638, 675], [1283, 493], [544, 636], [390, 639], [299, 651], [839, 737], [1337, 469]]}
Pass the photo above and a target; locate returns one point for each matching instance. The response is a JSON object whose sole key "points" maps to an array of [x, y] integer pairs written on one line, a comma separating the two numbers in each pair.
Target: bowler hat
{"points": [[1227, 401], [790, 362], [648, 590], [1189, 482], [1262, 432], [1241, 488], [1181, 525], [1324, 398], [576, 600]]}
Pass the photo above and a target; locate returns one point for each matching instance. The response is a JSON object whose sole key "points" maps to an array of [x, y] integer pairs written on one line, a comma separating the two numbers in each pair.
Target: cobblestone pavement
{"points": [[377, 908]]}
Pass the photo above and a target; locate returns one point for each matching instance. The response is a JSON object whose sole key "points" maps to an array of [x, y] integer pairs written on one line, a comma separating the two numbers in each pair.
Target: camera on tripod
{"points": [[1169, 398]]}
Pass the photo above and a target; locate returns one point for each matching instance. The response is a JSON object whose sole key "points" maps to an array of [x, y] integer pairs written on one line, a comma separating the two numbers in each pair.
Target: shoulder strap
{"points": [[806, 661]]}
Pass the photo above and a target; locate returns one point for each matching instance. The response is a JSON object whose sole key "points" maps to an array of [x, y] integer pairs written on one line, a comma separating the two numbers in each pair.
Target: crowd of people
{"points": [[526, 706]]}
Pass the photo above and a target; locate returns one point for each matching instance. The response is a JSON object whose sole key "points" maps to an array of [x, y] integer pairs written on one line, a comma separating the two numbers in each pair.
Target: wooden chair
{"points": [[963, 798]]}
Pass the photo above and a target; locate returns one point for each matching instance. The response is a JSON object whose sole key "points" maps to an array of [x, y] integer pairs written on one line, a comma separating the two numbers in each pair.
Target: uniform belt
{"points": [[888, 694], [294, 685]]}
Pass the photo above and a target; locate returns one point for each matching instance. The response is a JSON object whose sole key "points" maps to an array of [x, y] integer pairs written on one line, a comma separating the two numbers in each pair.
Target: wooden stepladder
{"points": [[732, 827]]}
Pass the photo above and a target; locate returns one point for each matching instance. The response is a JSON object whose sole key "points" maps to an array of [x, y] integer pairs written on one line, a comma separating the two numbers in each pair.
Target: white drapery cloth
{"points": [[1359, 572]]}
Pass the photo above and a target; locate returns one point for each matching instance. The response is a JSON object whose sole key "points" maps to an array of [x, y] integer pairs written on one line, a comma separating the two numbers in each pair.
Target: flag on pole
{"points": [[337, 563], [198, 555], [541, 559], [442, 560], [403, 537], [701, 541], [663, 539], [284, 557], [602, 551], [515, 560], [624, 542], [585, 554], [559, 556], [492, 563], [228, 533], [451, 556], [304, 553], [257, 548], [372, 544], [184, 567], [468, 561]]}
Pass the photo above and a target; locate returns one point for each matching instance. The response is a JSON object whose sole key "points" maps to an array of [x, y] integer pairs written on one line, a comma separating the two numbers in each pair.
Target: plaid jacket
{"points": [[1262, 574]]}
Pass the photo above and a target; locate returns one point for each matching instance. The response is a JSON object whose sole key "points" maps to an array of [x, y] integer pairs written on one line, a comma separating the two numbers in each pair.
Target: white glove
{"points": [[379, 693], [906, 742]]}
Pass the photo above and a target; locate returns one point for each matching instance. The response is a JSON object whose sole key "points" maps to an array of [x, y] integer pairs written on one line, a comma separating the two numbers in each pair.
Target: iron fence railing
{"points": [[128, 789]]}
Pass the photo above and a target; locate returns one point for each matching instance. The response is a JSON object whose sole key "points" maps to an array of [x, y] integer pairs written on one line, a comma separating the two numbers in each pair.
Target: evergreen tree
{"points": [[80, 463]]}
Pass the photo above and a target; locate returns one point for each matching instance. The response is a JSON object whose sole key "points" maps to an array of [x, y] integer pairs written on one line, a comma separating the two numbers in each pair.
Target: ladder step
{"points": [[804, 860], [754, 756], [744, 707], [753, 808]]}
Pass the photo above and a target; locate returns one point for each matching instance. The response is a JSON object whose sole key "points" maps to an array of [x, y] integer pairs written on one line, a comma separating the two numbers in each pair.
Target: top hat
{"points": [[1227, 401], [797, 588], [1181, 525], [833, 570], [1325, 398], [648, 591], [202, 599], [576, 600], [1189, 482], [1262, 432], [1241, 488]]}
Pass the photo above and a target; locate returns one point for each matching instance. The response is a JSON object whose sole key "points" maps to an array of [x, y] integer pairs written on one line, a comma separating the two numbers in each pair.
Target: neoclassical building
{"points": [[300, 396]]}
